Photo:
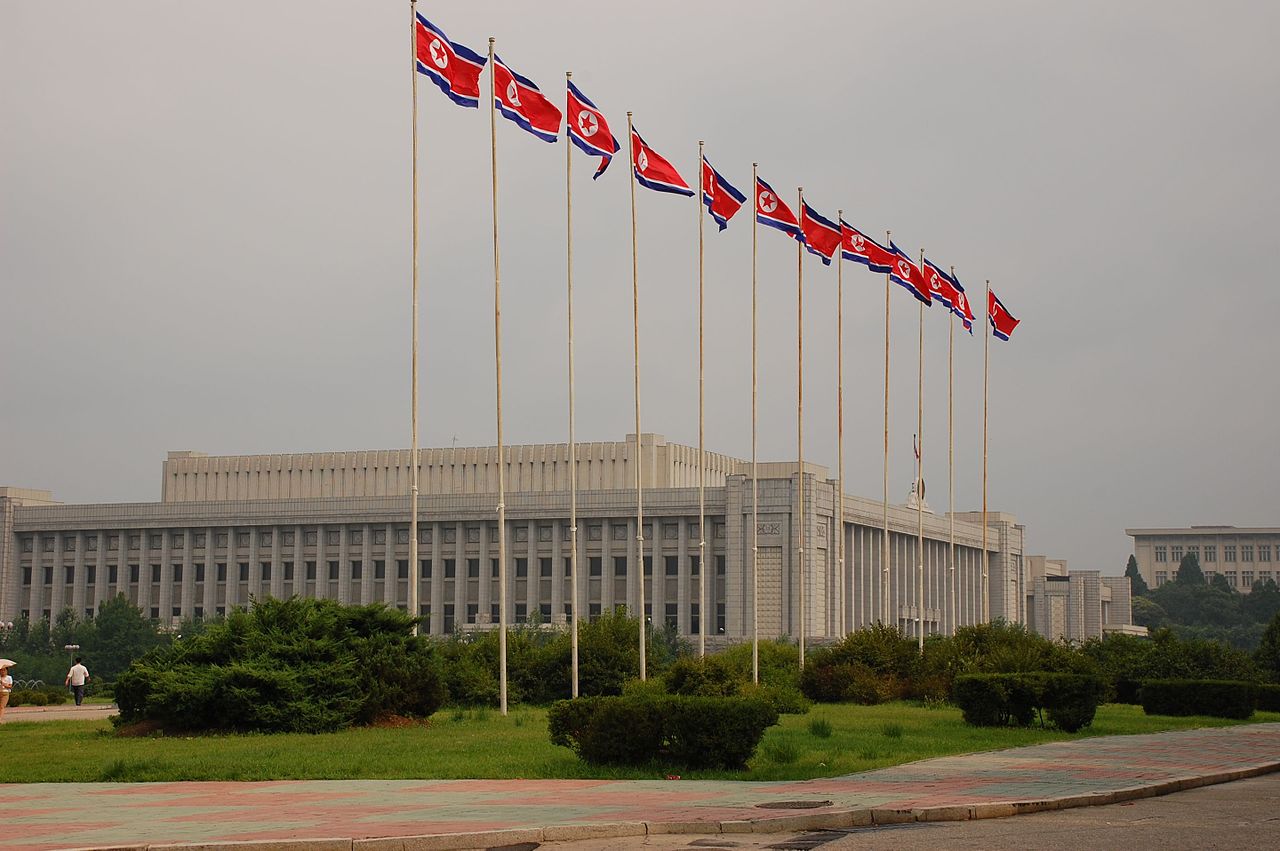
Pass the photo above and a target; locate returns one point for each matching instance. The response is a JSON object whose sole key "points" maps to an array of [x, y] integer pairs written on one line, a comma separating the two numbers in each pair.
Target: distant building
{"points": [[336, 525], [1242, 556], [1076, 605]]}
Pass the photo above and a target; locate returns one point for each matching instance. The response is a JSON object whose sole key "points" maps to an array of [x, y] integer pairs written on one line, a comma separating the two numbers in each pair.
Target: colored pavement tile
{"points": [[80, 815]]}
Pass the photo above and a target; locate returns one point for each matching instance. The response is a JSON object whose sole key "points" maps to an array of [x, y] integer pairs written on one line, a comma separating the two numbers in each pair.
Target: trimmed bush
{"points": [[296, 665], [710, 676], [1267, 697], [995, 700], [1215, 698], [642, 729], [41, 696]]}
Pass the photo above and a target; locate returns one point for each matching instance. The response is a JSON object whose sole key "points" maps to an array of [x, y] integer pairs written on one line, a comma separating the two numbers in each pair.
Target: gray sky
{"points": [[204, 241]]}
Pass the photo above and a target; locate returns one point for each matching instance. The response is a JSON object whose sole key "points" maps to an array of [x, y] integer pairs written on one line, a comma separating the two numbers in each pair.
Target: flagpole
{"points": [[497, 361], [755, 478], [951, 463], [573, 451], [920, 480], [885, 590], [702, 471], [635, 321], [800, 418], [414, 576], [986, 369], [840, 556]]}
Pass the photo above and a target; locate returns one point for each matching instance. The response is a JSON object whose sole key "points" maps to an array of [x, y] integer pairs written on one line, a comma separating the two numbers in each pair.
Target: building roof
{"points": [[1200, 531]]}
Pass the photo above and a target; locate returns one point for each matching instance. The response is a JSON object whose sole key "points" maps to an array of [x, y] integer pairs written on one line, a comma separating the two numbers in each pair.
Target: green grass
{"points": [[484, 744]]}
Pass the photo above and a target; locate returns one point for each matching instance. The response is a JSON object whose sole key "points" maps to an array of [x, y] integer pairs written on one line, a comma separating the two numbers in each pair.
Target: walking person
{"points": [[6, 686], [76, 678]]}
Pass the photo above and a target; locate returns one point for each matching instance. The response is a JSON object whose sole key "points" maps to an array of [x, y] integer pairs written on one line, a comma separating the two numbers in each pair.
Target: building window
{"points": [[311, 571], [595, 566], [672, 565], [544, 567], [720, 567], [671, 615], [266, 571], [244, 571], [1193, 551], [177, 611], [619, 565], [1162, 554], [448, 617], [648, 565], [1246, 552], [91, 574], [450, 568], [593, 611], [134, 571], [70, 575], [199, 610], [288, 571], [695, 565], [1210, 553], [113, 574], [155, 613], [402, 568], [1229, 552], [1264, 552], [495, 613], [220, 611], [719, 618], [544, 613], [357, 569], [26, 576], [568, 566], [1176, 552], [1231, 578], [424, 569], [177, 573], [221, 575], [494, 568], [155, 573], [199, 573], [379, 568], [695, 620], [522, 568], [1246, 579], [522, 612], [473, 611]]}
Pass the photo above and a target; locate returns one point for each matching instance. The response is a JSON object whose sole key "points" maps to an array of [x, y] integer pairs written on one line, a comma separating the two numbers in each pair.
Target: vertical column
{"points": [[606, 566], [209, 592], [533, 585], [436, 599], [277, 563], [299, 586], [635, 567], [35, 600], [460, 581], [656, 595], [322, 562], [78, 577], [684, 579], [559, 552], [232, 591], [165, 597], [187, 602], [344, 565], [739, 562], [391, 579], [102, 578], [122, 564], [57, 587], [366, 559], [485, 600]]}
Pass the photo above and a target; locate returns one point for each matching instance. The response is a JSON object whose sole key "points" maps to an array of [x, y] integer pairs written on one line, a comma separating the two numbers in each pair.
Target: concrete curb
{"points": [[826, 820]]}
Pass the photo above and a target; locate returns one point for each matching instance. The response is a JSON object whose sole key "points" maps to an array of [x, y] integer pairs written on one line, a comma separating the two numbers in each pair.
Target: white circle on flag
{"points": [[439, 56], [513, 94], [768, 202], [858, 244], [904, 269], [934, 283], [587, 123], [642, 161]]}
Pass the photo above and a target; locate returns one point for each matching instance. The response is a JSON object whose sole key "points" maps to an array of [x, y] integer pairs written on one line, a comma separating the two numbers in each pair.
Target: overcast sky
{"points": [[204, 241]]}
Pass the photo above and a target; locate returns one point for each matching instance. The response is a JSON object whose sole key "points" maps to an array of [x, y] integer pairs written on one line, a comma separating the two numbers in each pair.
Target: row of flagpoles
{"points": [[456, 70]]}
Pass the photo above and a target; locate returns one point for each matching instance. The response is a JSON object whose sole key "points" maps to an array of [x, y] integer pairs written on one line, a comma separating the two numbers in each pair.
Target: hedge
{"points": [[644, 728], [1267, 697], [1215, 698], [46, 696], [993, 700]]}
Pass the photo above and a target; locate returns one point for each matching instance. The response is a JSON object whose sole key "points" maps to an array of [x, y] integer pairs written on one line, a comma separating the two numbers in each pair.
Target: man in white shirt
{"points": [[76, 678]]}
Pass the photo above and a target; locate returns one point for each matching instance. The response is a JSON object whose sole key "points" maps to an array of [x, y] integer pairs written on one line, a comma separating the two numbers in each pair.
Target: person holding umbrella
{"points": [[6, 684]]}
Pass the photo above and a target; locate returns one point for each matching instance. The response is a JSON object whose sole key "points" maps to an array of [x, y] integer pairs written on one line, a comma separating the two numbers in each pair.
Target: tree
{"points": [[1263, 602], [1137, 585], [1220, 583], [1189, 572], [1268, 655], [1149, 613]]}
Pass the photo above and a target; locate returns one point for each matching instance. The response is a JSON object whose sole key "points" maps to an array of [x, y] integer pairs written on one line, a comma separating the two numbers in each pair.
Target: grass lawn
{"points": [[830, 740]]}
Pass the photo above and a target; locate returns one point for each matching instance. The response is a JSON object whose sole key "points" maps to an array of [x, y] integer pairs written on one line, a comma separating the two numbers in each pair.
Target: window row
{"points": [[671, 615], [546, 567], [333, 537], [1231, 553]]}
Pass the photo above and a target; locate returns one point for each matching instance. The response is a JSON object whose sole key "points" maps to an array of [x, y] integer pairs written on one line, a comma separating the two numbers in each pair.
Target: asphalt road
{"points": [[1243, 814]]}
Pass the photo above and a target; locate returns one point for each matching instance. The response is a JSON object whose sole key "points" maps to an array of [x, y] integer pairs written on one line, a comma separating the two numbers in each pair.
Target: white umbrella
{"points": [[7, 663]]}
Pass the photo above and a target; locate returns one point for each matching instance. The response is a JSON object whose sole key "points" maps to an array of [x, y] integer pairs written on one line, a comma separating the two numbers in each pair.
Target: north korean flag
{"points": [[946, 289], [861, 248], [771, 210], [819, 234], [588, 129], [452, 67], [1002, 321], [908, 275], [653, 171], [719, 196], [519, 99]]}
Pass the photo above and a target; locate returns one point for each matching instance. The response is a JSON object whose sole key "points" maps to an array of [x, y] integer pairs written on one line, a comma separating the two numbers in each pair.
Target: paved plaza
{"points": [[436, 814]]}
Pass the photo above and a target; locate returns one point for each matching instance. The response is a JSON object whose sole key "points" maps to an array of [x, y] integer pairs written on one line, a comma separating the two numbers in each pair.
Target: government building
{"points": [[228, 529], [1242, 556]]}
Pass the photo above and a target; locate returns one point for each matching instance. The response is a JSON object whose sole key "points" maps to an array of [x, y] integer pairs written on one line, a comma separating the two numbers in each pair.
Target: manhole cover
{"points": [[793, 805]]}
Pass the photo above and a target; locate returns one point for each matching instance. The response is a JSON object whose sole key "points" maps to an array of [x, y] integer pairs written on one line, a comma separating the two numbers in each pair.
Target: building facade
{"points": [[1077, 605], [1242, 556], [336, 525]]}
